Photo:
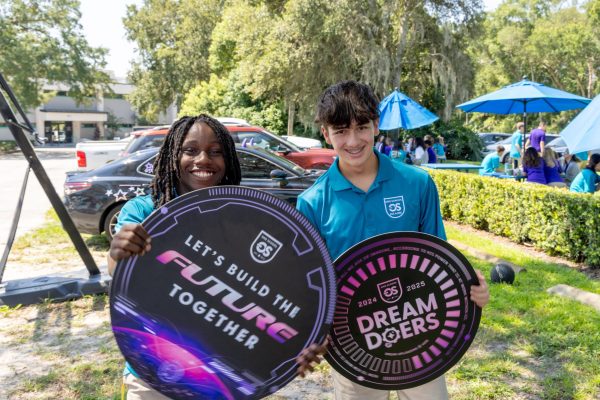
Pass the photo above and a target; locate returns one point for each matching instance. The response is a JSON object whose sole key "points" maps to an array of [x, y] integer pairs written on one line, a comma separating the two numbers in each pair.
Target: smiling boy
{"points": [[348, 205]]}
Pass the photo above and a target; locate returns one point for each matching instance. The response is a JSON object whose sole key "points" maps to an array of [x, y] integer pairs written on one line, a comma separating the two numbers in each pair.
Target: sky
{"points": [[103, 27]]}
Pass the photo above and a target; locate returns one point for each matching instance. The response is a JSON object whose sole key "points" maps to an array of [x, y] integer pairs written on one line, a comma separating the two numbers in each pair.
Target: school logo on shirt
{"points": [[394, 206], [390, 291], [264, 248]]}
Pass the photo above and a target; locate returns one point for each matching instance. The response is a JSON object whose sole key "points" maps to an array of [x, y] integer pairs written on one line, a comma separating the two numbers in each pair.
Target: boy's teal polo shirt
{"points": [[402, 198]]}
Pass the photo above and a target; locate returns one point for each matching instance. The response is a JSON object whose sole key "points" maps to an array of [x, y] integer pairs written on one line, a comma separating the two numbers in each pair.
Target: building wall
{"points": [[113, 103]]}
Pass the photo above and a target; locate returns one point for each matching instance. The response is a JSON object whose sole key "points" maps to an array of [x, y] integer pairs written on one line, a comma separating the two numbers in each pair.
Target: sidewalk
{"points": [[56, 161]]}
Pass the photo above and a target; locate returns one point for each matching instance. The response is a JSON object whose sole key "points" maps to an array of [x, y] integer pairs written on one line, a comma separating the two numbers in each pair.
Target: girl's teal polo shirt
{"points": [[135, 211], [402, 198]]}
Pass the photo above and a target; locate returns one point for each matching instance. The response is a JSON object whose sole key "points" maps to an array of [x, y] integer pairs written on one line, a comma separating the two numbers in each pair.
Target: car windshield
{"points": [[558, 142], [142, 142], [265, 140], [284, 162]]}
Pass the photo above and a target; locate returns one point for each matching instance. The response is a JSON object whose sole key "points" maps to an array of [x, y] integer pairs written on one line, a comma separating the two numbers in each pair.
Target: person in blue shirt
{"points": [[516, 144], [491, 162], [587, 179], [198, 152], [347, 205], [440, 149]]}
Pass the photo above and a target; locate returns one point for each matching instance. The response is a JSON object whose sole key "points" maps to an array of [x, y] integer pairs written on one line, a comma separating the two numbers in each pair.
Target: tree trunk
{"points": [[402, 45], [590, 85], [291, 112]]}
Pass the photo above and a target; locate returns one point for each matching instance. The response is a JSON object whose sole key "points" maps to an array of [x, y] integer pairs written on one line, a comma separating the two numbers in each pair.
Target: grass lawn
{"points": [[530, 344]]}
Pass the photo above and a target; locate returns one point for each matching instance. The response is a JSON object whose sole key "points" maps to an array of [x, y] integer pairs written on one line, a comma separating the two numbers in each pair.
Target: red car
{"points": [[246, 135]]}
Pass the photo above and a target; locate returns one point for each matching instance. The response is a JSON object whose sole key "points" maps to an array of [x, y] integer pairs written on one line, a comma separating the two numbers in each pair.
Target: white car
{"points": [[91, 154], [560, 147], [304, 142]]}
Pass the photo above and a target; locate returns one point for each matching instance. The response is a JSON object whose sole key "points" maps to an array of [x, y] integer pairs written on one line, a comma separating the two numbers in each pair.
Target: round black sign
{"points": [[403, 315], [237, 283]]}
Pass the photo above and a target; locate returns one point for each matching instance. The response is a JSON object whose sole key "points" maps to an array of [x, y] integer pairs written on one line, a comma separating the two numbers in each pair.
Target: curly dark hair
{"points": [[166, 166]]}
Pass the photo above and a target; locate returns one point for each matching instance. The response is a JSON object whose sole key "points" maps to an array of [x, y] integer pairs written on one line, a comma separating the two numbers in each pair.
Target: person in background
{"points": [[570, 166], [516, 144], [552, 169], [533, 166], [432, 158], [587, 179], [380, 143], [439, 147], [421, 156], [409, 146], [388, 147], [537, 138], [491, 162]]}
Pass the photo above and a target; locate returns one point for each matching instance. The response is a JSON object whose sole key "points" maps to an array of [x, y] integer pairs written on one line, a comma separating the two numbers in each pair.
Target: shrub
{"points": [[554, 220], [7, 146]]}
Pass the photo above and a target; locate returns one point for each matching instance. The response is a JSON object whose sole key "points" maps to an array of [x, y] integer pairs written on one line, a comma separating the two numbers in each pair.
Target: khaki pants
{"points": [[137, 389], [345, 389]]}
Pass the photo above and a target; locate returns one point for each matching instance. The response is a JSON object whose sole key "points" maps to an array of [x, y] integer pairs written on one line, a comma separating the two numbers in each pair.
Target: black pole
{"points": [[524, 129], [34, 163], [13, 228]]}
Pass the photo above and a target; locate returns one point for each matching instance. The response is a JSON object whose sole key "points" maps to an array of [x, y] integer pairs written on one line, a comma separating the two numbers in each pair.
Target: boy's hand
{"points": [[480, 294], [310, 358], [131, 240]]}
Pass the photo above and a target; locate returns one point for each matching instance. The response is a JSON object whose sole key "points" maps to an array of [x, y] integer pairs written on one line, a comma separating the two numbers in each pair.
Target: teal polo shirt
{"points": [[135, 211], [490, 163], [585, 181], [402, 198]]}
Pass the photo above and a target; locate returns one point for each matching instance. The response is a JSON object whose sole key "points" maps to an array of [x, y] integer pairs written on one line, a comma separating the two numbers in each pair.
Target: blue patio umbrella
{"points": [[583, 133], [523, 97], [397, 110]]}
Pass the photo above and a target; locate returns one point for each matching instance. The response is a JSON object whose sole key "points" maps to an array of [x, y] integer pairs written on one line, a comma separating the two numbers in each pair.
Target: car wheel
{"points": [[111, 220]]}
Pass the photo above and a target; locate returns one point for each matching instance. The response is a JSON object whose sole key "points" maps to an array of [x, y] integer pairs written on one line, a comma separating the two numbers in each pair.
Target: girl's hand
{"points": [[480, 294], [131, 240]]}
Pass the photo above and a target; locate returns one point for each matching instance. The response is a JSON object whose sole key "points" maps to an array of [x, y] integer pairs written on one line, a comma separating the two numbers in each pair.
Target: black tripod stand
{"points": [[29, 291]]}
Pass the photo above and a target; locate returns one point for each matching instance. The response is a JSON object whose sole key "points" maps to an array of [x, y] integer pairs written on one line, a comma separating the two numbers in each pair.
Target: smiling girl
{"points": [[198, 153]]}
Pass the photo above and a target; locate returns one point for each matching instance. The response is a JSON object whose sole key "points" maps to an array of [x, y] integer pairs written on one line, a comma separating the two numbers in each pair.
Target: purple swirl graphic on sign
{"points": [[403, 315], [236, 284]]}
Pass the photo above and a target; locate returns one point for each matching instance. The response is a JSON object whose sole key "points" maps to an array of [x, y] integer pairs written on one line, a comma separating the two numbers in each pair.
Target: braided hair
{"points": [[166, 165]]}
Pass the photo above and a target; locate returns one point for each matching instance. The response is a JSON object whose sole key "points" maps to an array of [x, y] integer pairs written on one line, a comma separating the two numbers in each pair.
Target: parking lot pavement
{"points": [[56, 161]]}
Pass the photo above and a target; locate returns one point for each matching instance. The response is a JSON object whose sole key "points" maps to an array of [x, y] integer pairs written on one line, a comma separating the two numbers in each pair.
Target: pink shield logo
{"points": [[390, 291]]}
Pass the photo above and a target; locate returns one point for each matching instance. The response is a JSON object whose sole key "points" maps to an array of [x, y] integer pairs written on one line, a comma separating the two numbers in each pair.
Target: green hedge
{"points": [[553, 220]]}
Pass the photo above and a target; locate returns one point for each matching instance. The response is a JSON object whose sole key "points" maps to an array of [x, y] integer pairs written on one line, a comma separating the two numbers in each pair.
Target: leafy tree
{"points": [[227, 97], [41, 41], [173, 38], [296, 51], [551, 42], [113, 123]]}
